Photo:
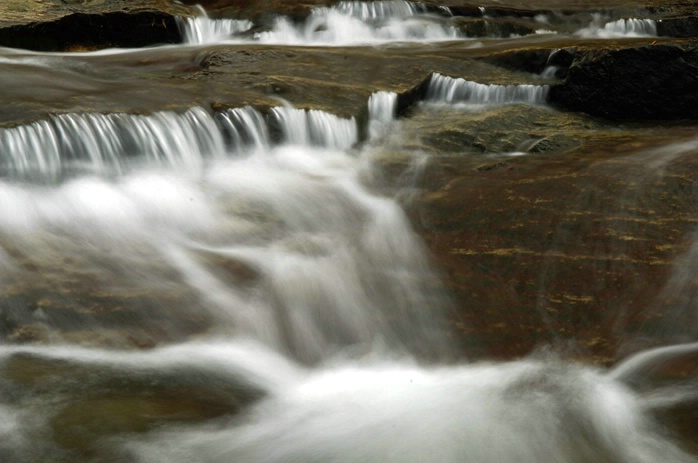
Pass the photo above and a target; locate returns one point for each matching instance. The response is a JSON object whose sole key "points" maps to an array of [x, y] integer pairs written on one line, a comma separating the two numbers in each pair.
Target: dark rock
{"points": [[645, 82], [532, 61], [563, 57], [93, 31], [678, 27], [495, 28], [496, 11]]}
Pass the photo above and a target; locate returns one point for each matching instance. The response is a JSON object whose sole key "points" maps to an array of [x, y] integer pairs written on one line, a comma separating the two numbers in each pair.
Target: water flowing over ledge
{"points": [[382, 106], [106, 144], [202, 29], [444, 89], [346, 23], [280, 242], [99, 143], [371, 11], [315, 128], [71, 144], [621, 28], [245, 128]]}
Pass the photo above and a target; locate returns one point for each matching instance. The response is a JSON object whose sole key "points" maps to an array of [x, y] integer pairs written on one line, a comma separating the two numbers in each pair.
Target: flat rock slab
{"points": [[574, 235], [338, 80]]}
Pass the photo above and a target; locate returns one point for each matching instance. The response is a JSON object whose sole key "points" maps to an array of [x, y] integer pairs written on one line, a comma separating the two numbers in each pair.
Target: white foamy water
{"points": [[202, 29], [346, 23], [97, 143], [527, 411], [382, 106], [332, 264], [110, 144], [246, 128], [444, 89], [631, 27], [315, 128], [382, 110], [380, 10]]}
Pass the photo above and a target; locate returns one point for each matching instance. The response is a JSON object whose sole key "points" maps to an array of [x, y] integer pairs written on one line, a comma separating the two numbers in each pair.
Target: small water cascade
{"points": [[315, 128], [380, 10], [202, 29], [631, 28], [620, 28], [104, 143], [245, 128], [444, 89], [346, 23], [72, 144], [382, 110]]}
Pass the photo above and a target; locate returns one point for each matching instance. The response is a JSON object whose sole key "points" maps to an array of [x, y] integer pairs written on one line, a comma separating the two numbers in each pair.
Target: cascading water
{"points": [[380, 10], [316, 128], [444, 89], [245, 128], [202, 29], [346, 23], [382, 110], [631, 27], [284, 311], [104, 143]]}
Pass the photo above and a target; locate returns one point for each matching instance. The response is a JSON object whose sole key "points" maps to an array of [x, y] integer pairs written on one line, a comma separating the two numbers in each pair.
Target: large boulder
{"points": [[650, 81]]}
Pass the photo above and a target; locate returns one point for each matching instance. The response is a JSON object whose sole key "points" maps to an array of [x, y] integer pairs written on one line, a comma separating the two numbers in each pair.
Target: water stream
{"points": [[235, 286]]}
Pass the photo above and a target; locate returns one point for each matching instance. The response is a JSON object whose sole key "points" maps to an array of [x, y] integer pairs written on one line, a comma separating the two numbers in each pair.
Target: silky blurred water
{"points": [[239, 285]]}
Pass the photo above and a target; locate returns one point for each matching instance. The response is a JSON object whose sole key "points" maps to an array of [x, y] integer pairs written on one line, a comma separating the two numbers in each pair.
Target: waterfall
{"points": [[346, 23], [631, 28], [619, 28], [382, 110], [202, 29], [69, 144], [371, 11], [382, 106], [444, 89], [316, 128], [100, 143], [246, 128], [274, 197]]}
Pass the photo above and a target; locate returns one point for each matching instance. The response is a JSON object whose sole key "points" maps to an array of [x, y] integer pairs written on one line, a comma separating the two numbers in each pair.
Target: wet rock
{"points": [[575, 238], [94, 31], [552, 144], [494, 28], [99, 401], [654, 81], [678, 27], [533, 61], [262, 11], [506, 129]]}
